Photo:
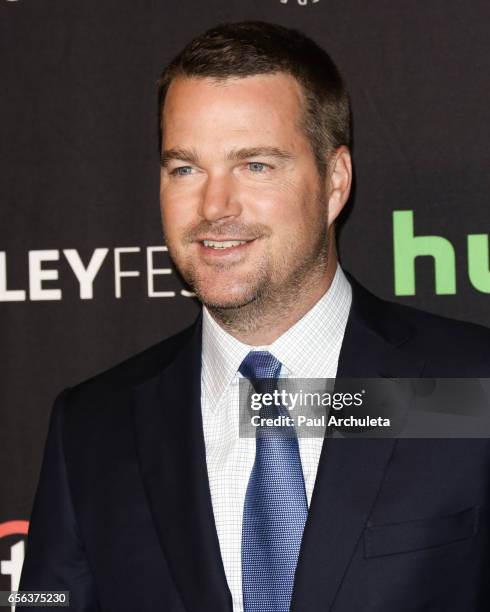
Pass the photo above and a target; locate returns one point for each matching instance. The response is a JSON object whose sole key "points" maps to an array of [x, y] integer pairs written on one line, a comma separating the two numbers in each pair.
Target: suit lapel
{"points": [[172, 457], [350, 471]]}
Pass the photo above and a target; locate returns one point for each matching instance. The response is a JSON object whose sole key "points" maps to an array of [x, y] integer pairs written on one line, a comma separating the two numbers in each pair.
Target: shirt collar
{"points": [[308, 349]]}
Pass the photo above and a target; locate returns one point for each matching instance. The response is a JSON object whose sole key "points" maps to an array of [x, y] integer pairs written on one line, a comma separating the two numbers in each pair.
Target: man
{"points": [[148, 497]]}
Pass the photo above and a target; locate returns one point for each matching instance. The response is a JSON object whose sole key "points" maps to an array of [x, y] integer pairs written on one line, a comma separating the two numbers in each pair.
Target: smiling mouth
{"points": [[224, 244]]}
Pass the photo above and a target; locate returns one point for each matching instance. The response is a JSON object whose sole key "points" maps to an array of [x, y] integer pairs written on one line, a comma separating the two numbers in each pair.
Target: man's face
{"points": [[243, 206]]}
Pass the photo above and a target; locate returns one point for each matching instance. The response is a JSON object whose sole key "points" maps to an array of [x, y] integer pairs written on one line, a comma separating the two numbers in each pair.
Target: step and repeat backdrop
{"points": [[85, 279]]}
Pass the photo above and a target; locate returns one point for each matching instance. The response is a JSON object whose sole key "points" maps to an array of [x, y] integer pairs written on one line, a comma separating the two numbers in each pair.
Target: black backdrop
{"points": [[79, 183]]}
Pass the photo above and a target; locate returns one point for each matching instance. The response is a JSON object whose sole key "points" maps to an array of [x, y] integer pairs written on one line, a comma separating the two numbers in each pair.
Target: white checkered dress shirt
{"points": [[309, 349]]}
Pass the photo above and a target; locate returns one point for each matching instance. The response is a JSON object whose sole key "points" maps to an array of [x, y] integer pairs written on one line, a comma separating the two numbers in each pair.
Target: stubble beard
{"points": [[273, 297], [269, 295]]}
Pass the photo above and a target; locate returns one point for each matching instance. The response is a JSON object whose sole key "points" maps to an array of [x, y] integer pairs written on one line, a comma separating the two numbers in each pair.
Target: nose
{"points": [[219, 198]]}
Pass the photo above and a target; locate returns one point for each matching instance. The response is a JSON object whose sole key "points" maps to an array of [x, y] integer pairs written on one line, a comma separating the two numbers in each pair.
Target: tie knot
{"points": [[260, 364]]}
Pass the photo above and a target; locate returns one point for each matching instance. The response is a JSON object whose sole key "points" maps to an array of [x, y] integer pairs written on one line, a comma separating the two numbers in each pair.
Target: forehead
{"points": [[265, 105]]}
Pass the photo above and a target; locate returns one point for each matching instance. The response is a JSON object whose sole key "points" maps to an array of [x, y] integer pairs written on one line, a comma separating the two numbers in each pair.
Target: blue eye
{"points": [[182, 170], [256, 167]]}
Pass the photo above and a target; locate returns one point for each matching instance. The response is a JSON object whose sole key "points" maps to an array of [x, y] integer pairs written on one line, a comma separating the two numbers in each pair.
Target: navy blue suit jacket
{"points": [[123, 519]]}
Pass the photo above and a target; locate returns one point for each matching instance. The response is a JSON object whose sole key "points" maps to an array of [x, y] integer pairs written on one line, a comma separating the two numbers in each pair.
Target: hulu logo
{"points": [[407, 246]]}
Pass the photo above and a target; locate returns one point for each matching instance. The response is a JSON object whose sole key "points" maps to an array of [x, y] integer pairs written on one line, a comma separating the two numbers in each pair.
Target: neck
{"points": [[263, 327]]}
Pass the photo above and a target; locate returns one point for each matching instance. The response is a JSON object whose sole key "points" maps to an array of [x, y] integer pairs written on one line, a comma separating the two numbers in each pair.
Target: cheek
{"points": [[177, 212], [274, 203], [287, 210]]}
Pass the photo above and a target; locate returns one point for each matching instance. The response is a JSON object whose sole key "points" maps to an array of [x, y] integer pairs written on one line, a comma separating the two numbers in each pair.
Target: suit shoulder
{"points": [[137, 368], [465, 345], [435, 324], [449, 347]]}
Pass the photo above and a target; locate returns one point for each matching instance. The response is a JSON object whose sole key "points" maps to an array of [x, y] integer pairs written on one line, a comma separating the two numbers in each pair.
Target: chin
{"points": [[225, 300]]}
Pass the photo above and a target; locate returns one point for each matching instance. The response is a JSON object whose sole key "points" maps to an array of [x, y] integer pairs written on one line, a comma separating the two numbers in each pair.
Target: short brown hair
{"points": [[252, 47]]}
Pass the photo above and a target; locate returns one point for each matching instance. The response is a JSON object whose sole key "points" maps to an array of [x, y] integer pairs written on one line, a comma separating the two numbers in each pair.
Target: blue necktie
{"points": [[276, 507]]}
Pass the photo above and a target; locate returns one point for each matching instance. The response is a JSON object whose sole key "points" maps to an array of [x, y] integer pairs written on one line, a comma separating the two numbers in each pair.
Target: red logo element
{"points": [[14, 528]]}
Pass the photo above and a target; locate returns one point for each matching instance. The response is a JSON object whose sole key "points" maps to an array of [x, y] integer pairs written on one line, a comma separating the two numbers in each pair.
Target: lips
{"points": [[229, 249], [223, 244]]}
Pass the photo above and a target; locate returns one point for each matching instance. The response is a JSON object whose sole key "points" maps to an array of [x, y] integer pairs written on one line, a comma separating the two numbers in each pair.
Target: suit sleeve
{"points": [[55, 557]]}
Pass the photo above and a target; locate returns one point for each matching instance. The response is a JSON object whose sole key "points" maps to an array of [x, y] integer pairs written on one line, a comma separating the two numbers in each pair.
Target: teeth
{"points": [[223, 244]]}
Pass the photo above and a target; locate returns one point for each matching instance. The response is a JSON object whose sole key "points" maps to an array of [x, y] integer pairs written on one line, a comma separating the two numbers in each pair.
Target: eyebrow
{"points": [[185, 155], [245, 153], [190, 156]]}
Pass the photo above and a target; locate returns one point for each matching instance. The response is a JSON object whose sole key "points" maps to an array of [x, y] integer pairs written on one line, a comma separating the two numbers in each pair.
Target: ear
{"points": [[339, 180]]}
